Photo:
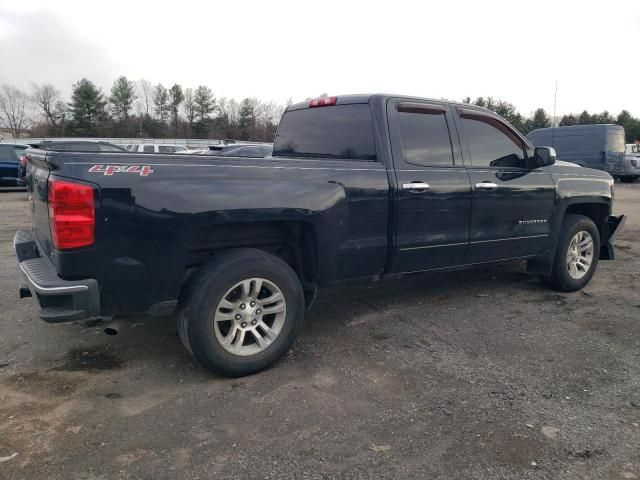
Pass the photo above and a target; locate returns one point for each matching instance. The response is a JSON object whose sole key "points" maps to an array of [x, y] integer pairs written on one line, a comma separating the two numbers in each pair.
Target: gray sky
{"points": [[280, 49]]}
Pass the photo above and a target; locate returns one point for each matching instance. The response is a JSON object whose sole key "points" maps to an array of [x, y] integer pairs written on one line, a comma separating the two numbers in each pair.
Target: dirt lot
{"points": [[481, 374]]}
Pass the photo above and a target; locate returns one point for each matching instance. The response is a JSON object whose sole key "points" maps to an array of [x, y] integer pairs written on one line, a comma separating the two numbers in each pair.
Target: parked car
{"points": [[359, 188], [240, 150], [193, 151], [67, 146], [631, 163], [10, 154], [156, 148], [77, 146], [593, 146]]}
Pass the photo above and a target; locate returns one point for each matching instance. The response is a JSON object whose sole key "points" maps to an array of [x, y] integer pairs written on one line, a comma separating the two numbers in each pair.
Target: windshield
{"points": [[615, 141]]}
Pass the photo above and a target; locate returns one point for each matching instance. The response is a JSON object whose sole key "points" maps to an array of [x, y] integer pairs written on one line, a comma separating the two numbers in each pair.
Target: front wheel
{"points": [[241, 312], [577, 254]]}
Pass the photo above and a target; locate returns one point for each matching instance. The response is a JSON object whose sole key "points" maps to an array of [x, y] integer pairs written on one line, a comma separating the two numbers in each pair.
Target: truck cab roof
{"points": [[368, 97]]}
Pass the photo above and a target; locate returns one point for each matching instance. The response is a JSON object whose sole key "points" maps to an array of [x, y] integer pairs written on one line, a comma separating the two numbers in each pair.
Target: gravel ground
{"points": [[482, 374]]}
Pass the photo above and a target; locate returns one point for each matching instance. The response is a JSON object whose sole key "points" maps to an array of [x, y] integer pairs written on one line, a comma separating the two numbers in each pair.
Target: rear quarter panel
{"points": [[146, 222]]}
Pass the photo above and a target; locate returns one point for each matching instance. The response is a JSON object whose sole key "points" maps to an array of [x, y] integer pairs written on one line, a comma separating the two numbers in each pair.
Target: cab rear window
{"points": [[332, 132]]}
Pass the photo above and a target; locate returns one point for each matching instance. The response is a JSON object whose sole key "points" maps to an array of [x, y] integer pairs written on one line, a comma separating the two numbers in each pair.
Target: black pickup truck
{"points": [[359, 188]]}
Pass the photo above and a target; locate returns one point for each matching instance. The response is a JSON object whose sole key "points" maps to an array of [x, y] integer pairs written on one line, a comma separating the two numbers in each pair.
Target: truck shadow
{"points": [[340, 314], [12, 190]]}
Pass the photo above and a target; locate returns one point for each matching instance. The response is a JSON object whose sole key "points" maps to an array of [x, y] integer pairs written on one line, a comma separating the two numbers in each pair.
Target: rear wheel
{"points": [[577, 254], [241, 312]]}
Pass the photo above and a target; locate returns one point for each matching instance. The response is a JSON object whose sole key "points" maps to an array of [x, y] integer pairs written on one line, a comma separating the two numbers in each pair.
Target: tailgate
{"points": [[38, 172]]}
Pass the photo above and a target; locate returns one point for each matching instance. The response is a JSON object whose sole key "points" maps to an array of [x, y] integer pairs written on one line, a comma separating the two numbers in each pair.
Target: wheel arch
{"points": [[597, 209], [295, 242]]}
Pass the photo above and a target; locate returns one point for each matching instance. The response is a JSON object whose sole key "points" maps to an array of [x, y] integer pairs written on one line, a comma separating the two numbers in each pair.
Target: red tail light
{"points": [[71, 215], [323, 102]]}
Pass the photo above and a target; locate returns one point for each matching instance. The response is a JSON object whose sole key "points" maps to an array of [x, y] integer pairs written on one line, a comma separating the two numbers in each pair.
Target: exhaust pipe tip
{"points": [[111, 331], [113, 327]]}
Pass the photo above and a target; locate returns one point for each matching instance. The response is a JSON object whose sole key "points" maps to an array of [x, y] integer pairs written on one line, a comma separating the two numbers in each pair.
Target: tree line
{"points": [[136, 109], [540, 118], [143, 110]]}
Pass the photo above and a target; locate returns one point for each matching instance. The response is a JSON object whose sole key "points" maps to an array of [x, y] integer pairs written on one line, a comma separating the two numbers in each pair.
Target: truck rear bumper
{"points": [[60, 300], [614, 225]]}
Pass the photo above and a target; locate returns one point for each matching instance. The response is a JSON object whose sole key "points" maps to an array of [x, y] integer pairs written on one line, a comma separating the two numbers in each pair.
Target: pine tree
{"points": [[176, 97], [87, 108], [540, 119], [204, 102], [585, 118], [122, 97], [568, 120]]}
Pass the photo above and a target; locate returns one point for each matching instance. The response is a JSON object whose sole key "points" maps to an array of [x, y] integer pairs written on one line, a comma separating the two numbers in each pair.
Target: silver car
{"points": [[631, 163]]}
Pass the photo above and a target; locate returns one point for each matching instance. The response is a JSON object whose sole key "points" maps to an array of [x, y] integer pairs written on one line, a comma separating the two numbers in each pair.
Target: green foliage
{"points": [[204, 105], [631, 126], [87, 109], [247, 113], [204, 102], [197, 113], [122, 97], [248, 117], [508, 111], [176, 97], [540, 119], [585, 118], [568, 120]]}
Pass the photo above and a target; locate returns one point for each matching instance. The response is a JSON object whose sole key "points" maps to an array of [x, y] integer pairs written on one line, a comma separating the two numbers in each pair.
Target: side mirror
{"points": [[544, 156]]}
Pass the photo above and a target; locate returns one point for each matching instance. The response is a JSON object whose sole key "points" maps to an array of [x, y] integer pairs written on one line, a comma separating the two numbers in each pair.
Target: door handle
{"points": [[416, 186], [486, 185]]}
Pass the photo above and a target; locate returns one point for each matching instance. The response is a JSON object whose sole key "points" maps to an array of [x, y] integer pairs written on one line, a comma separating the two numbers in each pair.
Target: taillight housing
{"points": [[323, 102], [71, 214]]}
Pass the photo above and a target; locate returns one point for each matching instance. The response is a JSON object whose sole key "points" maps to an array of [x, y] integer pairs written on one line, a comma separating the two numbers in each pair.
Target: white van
{"points": [[155, 148]]}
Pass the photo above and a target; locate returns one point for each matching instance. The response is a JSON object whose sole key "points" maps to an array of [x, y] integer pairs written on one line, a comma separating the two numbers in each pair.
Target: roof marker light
{"points": [[323, 102]]}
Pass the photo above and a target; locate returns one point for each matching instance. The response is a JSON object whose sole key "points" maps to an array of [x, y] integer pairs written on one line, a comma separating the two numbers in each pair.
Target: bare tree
{"points": [[145, 94], [232, 108], [269, 113], [60, 112], [161, 102], [46, 97], [14, 113], [189, 106]]}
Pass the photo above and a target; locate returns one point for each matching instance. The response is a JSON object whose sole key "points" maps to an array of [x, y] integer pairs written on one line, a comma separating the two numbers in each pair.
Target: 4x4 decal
{"points": [[109, 170]]}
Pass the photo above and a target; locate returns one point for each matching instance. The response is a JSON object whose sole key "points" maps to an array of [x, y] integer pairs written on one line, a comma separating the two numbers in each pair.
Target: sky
{"points": [[276, 50]]}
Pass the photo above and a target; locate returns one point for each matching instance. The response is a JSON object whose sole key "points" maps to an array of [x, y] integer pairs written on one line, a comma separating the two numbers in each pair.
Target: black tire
{"points": [[560, 278], [628, 179], [207, 287]]}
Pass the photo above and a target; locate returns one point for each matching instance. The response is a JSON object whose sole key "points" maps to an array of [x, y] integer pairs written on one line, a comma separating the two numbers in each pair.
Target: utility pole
{"points": [[553, 120]]}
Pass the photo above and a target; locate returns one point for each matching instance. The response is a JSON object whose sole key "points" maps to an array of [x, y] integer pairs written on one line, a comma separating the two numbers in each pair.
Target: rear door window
{"points": [[85, 147], [332, 132], [425, 137], [148, 149], [166, 149]]}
